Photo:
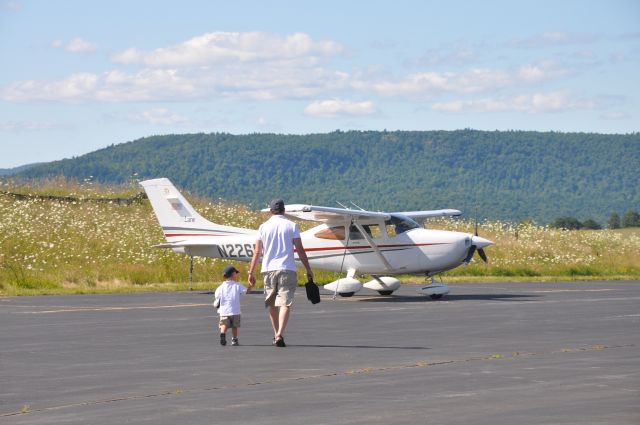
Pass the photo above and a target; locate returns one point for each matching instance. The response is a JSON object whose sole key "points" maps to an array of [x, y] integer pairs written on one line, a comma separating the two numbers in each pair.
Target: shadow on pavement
{"points": [[394, 347], [454, 297]]}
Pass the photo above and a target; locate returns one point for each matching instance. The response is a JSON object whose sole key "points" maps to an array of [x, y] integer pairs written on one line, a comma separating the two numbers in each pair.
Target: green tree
{"points": [[614, 221], [568, 223], [591, 224], [631, 219]]}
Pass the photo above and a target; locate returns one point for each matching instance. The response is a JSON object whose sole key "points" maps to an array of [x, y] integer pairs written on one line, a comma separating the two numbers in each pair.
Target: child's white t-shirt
{"points": [[229, 295]]}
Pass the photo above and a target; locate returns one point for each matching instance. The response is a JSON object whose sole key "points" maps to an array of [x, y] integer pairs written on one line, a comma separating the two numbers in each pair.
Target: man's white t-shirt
{"points": [[277, 236], [229, 295]]}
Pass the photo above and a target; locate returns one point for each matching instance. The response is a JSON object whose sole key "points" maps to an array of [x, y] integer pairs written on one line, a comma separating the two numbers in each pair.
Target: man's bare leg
{"points": [[273, 316], [283, 318]]}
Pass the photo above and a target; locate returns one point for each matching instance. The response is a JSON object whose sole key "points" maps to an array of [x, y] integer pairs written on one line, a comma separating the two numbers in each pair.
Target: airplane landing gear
{"points": [[384, 285], [435, 290]]}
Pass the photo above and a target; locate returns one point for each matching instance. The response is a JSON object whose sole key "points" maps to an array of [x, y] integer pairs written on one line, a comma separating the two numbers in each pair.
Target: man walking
{"points": [[276, 240]]}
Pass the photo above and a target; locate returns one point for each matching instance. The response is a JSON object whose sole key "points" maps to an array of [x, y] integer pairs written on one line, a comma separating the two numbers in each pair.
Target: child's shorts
{"points": [[230, 321]]}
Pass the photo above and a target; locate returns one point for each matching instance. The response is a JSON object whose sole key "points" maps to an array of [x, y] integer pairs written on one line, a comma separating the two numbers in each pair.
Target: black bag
{"points": [[313, 293]]}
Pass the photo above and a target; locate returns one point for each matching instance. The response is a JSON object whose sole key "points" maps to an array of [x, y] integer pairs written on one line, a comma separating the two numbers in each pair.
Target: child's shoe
{"points": [[234, 341], [223, 339]]}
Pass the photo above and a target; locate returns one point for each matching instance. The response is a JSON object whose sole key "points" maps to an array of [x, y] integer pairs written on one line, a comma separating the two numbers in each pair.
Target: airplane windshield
{"points": [[401, 224]]}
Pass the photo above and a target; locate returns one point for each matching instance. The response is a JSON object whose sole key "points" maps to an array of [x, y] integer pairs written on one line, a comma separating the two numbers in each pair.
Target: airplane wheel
{"points": [[436, 296], [347, 294], [385, 292]]}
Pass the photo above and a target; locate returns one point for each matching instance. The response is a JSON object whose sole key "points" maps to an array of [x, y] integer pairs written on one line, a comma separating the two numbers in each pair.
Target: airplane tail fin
{"points": [[178, 219]]}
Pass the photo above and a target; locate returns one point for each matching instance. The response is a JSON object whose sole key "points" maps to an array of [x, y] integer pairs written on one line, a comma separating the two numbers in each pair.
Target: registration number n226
{"points": [[235, 250]]}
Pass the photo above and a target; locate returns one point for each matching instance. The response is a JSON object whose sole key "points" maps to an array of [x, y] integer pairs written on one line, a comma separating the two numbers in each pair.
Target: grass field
{"points": [[79, 245]]}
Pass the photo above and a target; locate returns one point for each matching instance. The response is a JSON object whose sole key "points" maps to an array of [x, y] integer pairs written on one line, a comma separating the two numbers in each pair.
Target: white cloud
{"points": [[534, 103], [336, 107], [12, 5], [615, 116], [429, 83], [258, 66], [542, 71], [113, 86], [553, 38], [155, 116], [75, 87], [77, 45], [229, 47], [21, 126], [476, 80], [275, 81], [161, 116]]}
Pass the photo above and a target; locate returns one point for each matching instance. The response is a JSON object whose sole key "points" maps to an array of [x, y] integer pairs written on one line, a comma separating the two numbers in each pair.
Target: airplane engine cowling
{"points": [[347, 285], [388, 284]]}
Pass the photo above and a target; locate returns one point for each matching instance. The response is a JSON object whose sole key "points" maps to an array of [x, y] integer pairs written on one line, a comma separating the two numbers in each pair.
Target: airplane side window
{"points": [[391, 230], [374, 231], [354, 233], [334, 233], [400, 224]]}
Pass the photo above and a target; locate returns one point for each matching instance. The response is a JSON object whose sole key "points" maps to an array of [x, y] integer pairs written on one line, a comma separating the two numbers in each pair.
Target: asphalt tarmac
{"points": [[521, 353]]}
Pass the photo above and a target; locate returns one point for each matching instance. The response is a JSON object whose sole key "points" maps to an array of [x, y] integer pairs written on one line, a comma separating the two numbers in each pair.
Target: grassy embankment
{"points": [[52, 246]]}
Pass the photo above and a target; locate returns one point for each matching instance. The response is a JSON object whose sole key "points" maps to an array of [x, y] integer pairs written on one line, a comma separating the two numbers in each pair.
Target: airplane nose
{"points": [[480, 242]]}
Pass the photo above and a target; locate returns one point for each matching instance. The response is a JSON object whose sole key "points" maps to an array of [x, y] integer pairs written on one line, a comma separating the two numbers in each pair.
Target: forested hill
{"points": [[504, 175]]}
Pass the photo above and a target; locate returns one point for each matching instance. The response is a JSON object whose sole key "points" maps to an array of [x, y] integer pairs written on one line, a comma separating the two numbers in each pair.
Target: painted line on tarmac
{"points": [[512, 355], [150, 307]]}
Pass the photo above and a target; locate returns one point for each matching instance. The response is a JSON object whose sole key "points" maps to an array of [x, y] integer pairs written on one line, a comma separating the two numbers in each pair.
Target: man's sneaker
{"points": [[280, 342], [223, 339], [234, 341]]}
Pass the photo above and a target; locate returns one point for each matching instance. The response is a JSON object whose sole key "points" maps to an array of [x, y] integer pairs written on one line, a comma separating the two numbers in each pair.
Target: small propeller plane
{"points": [[352, 241]]}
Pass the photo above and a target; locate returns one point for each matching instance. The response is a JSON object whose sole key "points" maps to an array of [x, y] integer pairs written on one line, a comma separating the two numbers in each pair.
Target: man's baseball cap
{"points": [[229, 270], [277, 205]]}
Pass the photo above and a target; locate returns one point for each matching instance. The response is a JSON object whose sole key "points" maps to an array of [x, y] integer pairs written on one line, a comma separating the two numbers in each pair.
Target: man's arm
{"points": [[257, 252], [302, 255]]}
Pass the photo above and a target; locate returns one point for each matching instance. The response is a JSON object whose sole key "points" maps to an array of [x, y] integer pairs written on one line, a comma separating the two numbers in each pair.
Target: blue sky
{"points": [[77, 76]]}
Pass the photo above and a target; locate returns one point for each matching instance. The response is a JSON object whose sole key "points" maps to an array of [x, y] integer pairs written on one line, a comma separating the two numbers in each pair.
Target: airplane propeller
{"points": [[477, 244]]}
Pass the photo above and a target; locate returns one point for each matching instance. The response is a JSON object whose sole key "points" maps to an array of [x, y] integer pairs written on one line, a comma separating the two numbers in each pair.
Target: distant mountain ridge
{"points": [[510, 175], [15, 170]]}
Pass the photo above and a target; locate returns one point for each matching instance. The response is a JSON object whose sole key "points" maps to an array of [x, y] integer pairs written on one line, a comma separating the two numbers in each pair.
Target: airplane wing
{"points": [[324, 214], [420, 216]]}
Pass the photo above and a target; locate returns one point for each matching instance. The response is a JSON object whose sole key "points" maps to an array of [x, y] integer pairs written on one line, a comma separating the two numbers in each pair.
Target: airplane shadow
{"points": [[253, 292], [454, 297], [419, 298]]}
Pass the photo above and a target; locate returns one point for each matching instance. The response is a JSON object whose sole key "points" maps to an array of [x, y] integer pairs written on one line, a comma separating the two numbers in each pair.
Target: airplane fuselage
{"points": [[417, 251]]}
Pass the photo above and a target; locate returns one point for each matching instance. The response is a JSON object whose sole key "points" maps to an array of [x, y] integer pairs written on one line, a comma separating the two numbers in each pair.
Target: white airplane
{"points": [[355, 241]]}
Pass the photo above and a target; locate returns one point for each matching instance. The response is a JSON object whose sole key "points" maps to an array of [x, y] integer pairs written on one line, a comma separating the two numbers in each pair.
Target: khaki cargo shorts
{"points": [[279, 287], [230, 321]]}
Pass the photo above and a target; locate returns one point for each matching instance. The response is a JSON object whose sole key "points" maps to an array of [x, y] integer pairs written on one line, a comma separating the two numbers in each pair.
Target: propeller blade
{"points": [[482, 255], [472, 250]]}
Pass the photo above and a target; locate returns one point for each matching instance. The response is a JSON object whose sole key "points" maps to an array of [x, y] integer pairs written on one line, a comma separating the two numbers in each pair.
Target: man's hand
{"points": [[252, 280]]}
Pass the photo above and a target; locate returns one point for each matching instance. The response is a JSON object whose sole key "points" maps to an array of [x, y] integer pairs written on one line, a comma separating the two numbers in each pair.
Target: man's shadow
{"points": [[368, 347]]}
